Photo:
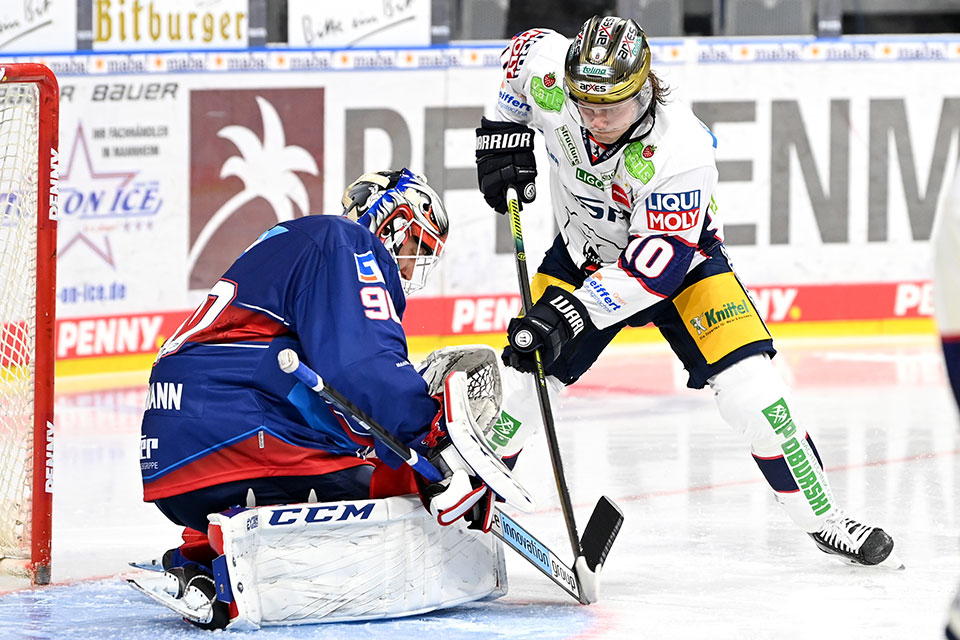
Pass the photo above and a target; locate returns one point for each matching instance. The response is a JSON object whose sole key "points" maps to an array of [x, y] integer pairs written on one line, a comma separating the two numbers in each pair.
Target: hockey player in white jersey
{"points": [[946, 287], [633, 178]]}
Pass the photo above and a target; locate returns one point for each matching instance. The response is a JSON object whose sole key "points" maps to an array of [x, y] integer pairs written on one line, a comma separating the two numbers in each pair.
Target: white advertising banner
{"points": [[38, 25], [832, 163], [360, 23], [169, 24]]}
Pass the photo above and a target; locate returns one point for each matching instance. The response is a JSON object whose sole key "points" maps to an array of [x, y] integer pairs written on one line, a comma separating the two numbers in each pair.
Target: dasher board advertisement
{"points": [[38, 25], [126, 25], [358, 23]]}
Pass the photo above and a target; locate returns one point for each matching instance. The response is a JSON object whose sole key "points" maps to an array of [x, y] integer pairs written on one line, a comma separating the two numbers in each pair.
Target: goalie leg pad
{"points": [[355, 560]]}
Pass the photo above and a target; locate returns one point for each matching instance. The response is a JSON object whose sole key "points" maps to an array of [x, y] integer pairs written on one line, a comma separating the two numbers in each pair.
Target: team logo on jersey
{"points": [[620, 196], [367, 268], [568, 145], [672, 212], [502, 431], [519, 48]]}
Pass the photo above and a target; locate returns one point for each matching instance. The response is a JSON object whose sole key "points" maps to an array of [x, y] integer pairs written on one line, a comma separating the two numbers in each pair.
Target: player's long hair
{"points": [[660, 89]]}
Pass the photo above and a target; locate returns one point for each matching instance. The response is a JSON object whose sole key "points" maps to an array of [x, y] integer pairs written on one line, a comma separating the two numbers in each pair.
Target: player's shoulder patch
{"points": [[516, 52], [368, 270], [547, 92], [638, 160]]}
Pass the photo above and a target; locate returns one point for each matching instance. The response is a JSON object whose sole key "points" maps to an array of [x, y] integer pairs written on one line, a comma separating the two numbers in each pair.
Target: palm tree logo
{"points": [[267, 171]]}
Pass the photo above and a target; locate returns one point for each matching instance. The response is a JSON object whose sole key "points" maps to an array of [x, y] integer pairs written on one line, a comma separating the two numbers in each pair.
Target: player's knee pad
{"points": [[755, 401]]}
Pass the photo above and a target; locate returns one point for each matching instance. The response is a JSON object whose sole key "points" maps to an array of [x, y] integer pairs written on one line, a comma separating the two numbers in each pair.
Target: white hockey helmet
{"points": [[398, 206]]}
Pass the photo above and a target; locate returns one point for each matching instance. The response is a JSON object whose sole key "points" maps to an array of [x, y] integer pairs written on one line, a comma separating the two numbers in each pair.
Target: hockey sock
{"points": [[754, 400]]}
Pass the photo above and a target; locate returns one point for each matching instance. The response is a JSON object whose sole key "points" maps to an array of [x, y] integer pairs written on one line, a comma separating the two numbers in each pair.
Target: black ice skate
{"points": [[856, 543]]}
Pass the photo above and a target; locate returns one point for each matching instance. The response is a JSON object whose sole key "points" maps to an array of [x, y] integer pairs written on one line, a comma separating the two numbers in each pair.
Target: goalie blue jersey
{"points": [[219, 408]]}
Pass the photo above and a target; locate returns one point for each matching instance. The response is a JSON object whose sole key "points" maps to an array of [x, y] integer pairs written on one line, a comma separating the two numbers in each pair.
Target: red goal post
{"points": [[29, 172]]}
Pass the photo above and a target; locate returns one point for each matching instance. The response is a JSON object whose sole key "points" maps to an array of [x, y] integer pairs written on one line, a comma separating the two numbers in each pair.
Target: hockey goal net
{"points": [[29, 162]]}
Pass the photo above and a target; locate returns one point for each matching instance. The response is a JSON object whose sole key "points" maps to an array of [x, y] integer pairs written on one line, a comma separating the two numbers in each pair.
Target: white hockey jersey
{"points": [[642, 211]]}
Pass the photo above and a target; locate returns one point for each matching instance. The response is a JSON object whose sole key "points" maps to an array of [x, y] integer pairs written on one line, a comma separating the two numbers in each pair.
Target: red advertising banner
{"points": [[469, 315]]}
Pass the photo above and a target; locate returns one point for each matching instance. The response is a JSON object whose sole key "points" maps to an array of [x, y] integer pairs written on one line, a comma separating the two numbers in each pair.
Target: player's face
{"points": [[607, 122], [407, 256]]}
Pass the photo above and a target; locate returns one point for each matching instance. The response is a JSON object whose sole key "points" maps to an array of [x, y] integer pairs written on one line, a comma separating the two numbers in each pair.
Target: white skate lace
{"points": [[844, 533]]}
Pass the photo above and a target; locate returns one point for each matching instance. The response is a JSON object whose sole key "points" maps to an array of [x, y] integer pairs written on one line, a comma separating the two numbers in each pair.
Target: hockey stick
{"points": [[605, 521], [513, 206], [504, 527]]}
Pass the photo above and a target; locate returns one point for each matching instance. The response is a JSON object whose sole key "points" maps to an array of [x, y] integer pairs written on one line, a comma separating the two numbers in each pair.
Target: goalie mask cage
{"points": [[29, 106]]}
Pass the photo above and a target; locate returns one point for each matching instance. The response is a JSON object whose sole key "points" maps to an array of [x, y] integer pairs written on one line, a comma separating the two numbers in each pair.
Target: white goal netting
{"points": [[19, 125]]}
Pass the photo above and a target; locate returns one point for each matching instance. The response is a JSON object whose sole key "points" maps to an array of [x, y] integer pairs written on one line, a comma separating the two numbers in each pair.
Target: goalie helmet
{"points": [[606, 72], [406, 215]]}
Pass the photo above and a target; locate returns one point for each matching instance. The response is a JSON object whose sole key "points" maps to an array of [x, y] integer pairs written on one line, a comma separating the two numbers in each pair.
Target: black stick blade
{"points": [[601, 531]]}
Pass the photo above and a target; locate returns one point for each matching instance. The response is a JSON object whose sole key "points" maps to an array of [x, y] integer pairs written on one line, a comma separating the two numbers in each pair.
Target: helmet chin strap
{"points": [[651, 113]]}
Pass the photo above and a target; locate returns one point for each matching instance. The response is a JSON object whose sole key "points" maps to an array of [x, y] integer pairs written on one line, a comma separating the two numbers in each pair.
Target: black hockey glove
{"points": [[553, 321], [504, 158]]}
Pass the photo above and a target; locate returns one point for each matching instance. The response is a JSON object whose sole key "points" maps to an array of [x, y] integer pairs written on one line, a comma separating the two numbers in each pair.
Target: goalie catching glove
{"points": [[473, 474]]}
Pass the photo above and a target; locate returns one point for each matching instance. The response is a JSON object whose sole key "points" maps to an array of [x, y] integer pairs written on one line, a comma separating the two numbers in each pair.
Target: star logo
{"points": [[95, 202]]}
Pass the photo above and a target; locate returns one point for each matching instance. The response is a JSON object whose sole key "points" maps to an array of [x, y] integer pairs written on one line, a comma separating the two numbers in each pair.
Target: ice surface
{"points": [[704, 551]]}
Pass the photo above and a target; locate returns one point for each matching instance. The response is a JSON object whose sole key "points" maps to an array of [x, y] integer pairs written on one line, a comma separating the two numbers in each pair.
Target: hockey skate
{"points": [[188, 591], [856, 543]]}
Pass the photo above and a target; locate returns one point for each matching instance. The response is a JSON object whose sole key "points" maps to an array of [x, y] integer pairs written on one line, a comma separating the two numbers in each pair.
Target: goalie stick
{"points": [[504, 527], [605, 521]]}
